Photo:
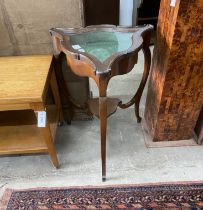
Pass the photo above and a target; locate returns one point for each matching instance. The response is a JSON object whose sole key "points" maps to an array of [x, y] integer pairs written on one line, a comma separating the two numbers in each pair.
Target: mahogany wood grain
{"points": [[118, 63], [112, 105]]}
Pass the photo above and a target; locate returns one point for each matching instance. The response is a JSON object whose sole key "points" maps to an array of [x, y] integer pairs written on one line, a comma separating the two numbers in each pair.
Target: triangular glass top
{"points": [[101, 44]]}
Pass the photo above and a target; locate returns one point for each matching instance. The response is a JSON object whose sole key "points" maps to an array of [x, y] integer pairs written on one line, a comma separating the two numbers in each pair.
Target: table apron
{"points": [[9, 107]]}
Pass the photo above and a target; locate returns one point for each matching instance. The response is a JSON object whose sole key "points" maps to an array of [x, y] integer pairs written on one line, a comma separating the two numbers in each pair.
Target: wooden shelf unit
{"points": [[25, 82], [20, 134]]}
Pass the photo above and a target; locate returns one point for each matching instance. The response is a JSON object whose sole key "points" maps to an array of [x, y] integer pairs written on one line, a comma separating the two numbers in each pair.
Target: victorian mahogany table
{"points": [[102, 52], [24, 85]]}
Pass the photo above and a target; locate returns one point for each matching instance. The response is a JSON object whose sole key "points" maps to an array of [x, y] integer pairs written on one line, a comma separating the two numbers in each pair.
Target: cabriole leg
{"points": [[147, 56]]}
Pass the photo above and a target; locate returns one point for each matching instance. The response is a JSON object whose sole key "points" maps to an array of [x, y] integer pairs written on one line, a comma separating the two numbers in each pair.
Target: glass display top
{"points": [[101, 44]]}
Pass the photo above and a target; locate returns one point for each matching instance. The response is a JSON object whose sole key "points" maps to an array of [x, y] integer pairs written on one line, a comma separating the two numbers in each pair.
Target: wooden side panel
{"points": [[175, 94], [165, 31]]}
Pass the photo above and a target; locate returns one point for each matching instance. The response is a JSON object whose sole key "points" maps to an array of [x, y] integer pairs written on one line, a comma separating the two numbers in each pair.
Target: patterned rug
{"points": [[163, 197]]}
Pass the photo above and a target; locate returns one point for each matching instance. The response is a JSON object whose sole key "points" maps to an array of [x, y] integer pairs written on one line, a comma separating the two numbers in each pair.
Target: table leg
{"points": [[147, 56], [136, 98], [55, 91], [102, 84], [103, 125], [46, 132]]}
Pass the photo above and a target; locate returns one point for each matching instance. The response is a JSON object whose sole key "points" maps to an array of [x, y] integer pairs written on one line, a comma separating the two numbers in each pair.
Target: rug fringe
{"points": [[184, 183]]}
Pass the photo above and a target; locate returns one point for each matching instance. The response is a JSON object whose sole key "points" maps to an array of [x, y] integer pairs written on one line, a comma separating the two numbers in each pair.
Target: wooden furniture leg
{"points": [[147, 58], [103, 122], [103, 125], [55, 91], [136, 98], [46, 132]]}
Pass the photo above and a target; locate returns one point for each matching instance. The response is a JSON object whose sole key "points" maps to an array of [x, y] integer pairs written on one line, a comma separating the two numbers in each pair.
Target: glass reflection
{"points": [[101, 44]]}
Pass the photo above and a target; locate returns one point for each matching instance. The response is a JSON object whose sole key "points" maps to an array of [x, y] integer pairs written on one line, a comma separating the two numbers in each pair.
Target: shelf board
{"points": [[112, 104], [19, 133], [21, 139]]}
